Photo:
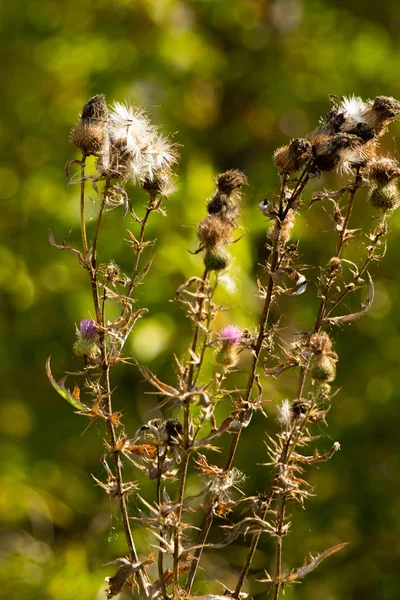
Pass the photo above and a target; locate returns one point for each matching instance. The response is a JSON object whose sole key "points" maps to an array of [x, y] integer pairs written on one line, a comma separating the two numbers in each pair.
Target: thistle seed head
{"points": [[293, 157], [383, 170], [213, 231]]}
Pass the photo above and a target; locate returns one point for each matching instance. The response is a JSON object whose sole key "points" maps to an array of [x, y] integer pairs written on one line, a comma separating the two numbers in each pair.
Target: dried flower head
{"points": [[383, 170], [137, 150], [89, 134], [285, 413], [293, 157], [231, 181], [320, 343], [213, 231]]}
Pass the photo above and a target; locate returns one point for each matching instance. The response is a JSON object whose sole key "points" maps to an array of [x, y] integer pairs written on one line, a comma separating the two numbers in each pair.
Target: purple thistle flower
{"points": [[88, 329], [231, 334]]}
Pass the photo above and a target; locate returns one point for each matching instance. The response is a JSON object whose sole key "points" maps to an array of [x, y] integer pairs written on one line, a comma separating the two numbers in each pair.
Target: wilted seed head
{"points": [[95, 108], [171, 430], [89, 133], [231, 181], [384, 197], [162, 183], [386, 107], [379, 112], [325, 157], [324, 368], [216, 259], [223, 206], [293, 157], [300, 408], [334, 267], [112, 272], [320, 343], [213, 231], [383, 170], [333, 120]]}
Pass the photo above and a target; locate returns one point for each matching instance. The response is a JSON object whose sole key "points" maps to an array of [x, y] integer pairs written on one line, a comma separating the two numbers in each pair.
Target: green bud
{"points": [[385, 197], [216, 259], [86, 347], [324, 368]]}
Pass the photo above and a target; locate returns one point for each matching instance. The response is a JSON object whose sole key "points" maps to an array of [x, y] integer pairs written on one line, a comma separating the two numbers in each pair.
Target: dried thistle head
{"points": [[231, 181], [137, 151], [293, 157], [89, 134], [383, 170], [320, 343], [213, 231], [224, 202]]}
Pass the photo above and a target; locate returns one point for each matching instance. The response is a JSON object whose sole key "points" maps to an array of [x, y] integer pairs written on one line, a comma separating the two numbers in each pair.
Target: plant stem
{"points": [[82, 207], [181, 494], [154, 204], [275, 259], [160, 559], [143, 581]]}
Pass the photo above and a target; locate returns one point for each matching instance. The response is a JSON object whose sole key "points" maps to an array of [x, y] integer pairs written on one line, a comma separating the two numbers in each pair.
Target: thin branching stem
{"points": [[100, 317], [82, 207], [274, 262], [154, 204], [160, 558]]}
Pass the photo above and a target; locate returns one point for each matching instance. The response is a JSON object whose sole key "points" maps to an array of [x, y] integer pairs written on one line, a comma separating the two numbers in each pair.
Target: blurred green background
{"points": [[234, 79]]}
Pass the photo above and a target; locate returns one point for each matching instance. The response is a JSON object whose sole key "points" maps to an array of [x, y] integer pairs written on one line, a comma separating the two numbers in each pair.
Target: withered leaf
{"points": [[307, 568], [354, 316]]}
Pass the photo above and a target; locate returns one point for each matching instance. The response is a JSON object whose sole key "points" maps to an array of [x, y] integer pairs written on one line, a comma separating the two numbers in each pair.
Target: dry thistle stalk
{"points": [[127, 147]]}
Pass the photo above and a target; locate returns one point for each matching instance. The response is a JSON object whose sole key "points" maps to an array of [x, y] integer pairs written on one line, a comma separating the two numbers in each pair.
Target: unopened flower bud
{"points": [[324, 368], [216, 259], [384, 197]]}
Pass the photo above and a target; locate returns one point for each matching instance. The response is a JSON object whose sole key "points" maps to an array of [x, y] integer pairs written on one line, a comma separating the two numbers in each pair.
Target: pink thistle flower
{"points": [[231, 334], [87, 329]]}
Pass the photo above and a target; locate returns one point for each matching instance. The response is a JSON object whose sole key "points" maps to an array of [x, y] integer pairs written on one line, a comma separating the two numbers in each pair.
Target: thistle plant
{"points": [[127, 148]]}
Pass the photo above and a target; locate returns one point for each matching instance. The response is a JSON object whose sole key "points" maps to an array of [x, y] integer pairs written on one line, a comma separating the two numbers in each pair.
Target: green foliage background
{"points": [[234, 79]]}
